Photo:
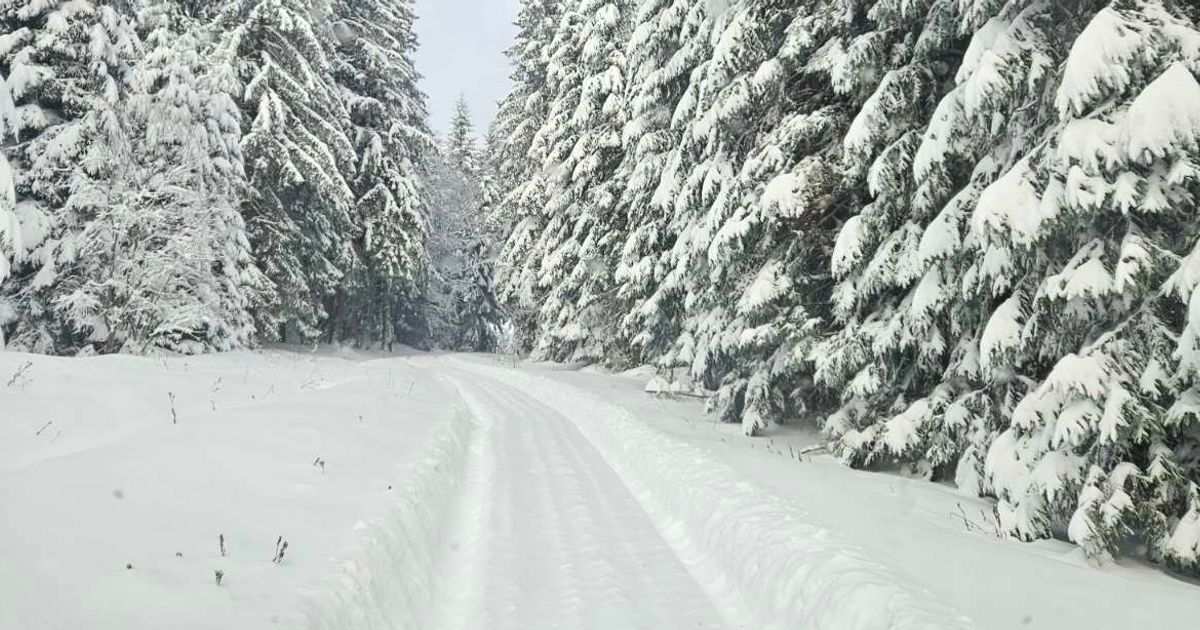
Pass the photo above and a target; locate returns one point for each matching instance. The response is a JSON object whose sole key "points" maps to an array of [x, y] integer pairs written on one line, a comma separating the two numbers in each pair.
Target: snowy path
{"points": [[547, 535], [574, 514], [454, 493]]}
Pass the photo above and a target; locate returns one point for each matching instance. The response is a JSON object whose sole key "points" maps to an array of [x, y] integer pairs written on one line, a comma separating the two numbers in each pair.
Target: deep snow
{"points": [[467, 492]]}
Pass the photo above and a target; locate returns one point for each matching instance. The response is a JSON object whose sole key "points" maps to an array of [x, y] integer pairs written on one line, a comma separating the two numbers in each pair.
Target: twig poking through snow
{"points": [[219, 575], [44, 427], [281, 546], [174, 414], [221, 544], [21, 376], [972, 526]]}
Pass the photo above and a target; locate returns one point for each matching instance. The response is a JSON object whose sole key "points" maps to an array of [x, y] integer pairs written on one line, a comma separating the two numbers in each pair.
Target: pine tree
{"points": [[10, 234], [299, 158], [894, 341], [768, 258], [68, 66], [460, 144], [479, 317], [165, 257], [725, 271], [575, 252], [465, 313], [520, 155], [1100, 447], [667, 43], [382, 297]]}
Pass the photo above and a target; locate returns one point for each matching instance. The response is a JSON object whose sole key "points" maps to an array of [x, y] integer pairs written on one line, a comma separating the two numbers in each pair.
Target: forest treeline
{"points": [[959, 236], [202, 175]]}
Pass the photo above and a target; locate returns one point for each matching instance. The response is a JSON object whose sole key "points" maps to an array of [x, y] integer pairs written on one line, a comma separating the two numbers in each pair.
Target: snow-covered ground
{"points": [[461, 492]]}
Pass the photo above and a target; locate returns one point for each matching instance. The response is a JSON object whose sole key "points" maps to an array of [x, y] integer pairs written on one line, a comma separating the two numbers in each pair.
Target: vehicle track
{"points": [[546, 535]]}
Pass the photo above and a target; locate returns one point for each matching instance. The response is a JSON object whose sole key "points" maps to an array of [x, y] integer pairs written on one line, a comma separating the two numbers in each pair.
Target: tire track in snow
{"points": [[579, 551], [751, 549]]}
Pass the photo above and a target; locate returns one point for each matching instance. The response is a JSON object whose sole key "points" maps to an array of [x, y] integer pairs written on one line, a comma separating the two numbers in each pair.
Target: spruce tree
{"points": [[166, 256], [461, 151], [10, 227], [664, 48], [573, 258], [768, 258], [740, 335], [465, 314], [68, 67], [1100, 446], [382, 297], [299, 159], [520, 155], [894, 340]]}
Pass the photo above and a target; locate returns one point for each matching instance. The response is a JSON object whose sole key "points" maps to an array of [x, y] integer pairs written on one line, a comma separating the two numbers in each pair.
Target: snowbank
{"points": [[389, 580]]}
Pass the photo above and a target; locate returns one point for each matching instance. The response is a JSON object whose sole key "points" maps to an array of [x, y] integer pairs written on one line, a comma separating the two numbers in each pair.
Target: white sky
{"points": [[461, 50]]}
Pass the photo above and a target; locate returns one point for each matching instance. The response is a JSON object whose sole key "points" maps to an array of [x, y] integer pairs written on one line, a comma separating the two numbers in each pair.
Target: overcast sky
{"points": [[462, 51]]}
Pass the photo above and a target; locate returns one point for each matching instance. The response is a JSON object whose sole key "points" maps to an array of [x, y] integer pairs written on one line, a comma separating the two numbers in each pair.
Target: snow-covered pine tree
{"points": [[452, 198], [460, 149], [479, 317], [894, 339], [686, 188], [1080, 235], [490, 181], [165, 259], [996, 112], [10, 228], [520, 155], [382, 298], [767, 260], [667, 42], [298, 158], [727, 268], [575, 253], [465, 314], [68, 66]]}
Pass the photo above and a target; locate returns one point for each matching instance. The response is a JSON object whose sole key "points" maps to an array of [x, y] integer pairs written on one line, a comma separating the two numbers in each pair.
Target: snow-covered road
{"points": [[547, 536], [576, 515], [427, 492]]}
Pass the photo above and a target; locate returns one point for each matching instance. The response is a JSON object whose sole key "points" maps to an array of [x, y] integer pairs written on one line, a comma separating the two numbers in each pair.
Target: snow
{"points": [[94, 476], [1185, 540], [770, 283], [1165, 117], [848, 250], [917, 528], [426, 491], [1012, 203], [1099, 62], [760, 555]]}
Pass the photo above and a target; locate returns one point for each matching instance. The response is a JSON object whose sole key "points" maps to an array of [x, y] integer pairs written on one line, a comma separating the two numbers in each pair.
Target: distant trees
{"points": [[465, 313]]}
